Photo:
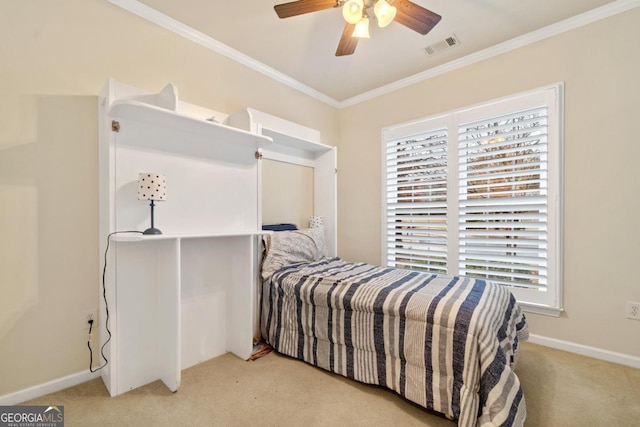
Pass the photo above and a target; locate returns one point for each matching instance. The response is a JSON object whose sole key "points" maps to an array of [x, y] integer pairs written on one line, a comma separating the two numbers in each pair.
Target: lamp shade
{"points": [[384, 12], [152, 186], [362, 28], [352, 11]]}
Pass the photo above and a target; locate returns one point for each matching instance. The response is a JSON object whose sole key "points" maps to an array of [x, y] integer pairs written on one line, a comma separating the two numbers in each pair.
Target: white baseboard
{"points": [[84, 376], [585, 350], [46, 388]]}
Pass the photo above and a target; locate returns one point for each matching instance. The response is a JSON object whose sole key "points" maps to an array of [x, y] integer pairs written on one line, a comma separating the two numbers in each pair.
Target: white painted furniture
{"points": [[300, 145], [188, 295], [185, 296]]}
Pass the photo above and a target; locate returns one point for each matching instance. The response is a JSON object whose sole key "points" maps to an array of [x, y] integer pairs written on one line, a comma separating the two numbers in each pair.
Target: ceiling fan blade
{"points": [[415, 17], [347, 44], [294, 8]]}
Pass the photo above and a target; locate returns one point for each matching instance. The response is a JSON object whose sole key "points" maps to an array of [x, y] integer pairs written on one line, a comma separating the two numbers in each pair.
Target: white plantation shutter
{"points": [[416, 200], [477, 192], [503, 190]]}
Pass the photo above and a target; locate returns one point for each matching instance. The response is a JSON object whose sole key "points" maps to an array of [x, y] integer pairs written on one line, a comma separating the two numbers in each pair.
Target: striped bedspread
{"points": [[446, 343]]}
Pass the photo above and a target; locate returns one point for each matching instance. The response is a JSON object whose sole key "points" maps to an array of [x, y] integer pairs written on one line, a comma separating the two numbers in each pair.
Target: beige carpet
{"points": [[561, 389]]}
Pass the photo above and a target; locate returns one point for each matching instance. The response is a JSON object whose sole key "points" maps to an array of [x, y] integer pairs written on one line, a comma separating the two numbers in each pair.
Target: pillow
{"points": [[291, 247], [279, 227], [315, 221]]}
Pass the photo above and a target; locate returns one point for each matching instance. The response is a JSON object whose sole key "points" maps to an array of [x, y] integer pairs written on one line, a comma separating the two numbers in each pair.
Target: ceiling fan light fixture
{"points": [[352, 11], [406, 13], [362, 28], [385, 13]]}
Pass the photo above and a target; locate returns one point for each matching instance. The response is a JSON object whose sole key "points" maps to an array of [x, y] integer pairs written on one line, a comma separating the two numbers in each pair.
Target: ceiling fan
{"points": [[355, 14]]}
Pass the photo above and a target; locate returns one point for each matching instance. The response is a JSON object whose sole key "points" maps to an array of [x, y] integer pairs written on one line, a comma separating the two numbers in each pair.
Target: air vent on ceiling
{"points": [[445, 44]]}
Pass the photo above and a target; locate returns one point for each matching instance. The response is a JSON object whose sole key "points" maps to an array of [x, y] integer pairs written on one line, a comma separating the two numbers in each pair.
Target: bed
{"points": [[446, 343]]}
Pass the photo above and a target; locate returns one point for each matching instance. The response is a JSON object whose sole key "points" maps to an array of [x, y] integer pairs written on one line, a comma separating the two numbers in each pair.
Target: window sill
{"points": [[541, 309]]}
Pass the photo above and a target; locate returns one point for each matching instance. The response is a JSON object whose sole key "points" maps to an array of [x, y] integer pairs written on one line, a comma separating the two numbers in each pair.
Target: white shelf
{"points": [[297, 143], [283, 132], [157, 116], [136, 237]]}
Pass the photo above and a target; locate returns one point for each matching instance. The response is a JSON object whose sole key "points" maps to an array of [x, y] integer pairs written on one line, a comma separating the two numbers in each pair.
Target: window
{"points": [[476, 192]]}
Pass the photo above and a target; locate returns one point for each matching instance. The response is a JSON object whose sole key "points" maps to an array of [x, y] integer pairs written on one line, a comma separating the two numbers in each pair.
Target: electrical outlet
{"points": [[89, 315], [633, 310]]}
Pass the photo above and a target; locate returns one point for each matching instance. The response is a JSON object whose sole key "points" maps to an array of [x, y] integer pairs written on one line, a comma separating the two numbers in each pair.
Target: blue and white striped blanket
{"points": [[446, 343]]}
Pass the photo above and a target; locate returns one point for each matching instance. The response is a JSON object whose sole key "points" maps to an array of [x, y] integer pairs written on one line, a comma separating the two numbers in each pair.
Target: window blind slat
{"points": [[406, 199], [515, 234], [478, 189], [416, 206], [511, 216], [432, 266], [414, 162], [469, 150], [417, 255], [434, 140], [505, 202], [507, 259], [538, 111], [515, 250], [413, 245], [476, 224], [477, 174], [477, 139], [512, 277], [497, 242], [485, 166]]}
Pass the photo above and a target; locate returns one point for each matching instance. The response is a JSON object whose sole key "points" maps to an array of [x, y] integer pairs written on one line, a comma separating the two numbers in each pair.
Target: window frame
{"points": [[549, 302]]}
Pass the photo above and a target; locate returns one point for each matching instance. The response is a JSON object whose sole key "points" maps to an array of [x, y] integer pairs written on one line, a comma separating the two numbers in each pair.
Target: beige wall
{"points": [[49, 262], [600, 66], [55, 56], [293, 186]]}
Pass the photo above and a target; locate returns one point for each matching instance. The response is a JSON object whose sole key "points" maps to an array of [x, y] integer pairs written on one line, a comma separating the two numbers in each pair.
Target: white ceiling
{"points": [[302, 48]]}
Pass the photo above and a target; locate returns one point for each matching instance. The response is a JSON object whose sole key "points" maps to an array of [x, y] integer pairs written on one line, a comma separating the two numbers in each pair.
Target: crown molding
{"points": [[152, 15], [569, 24], [177, 27]]}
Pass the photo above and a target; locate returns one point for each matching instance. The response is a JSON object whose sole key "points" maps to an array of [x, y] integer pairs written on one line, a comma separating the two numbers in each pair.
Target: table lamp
{"points": [[152, 186]]}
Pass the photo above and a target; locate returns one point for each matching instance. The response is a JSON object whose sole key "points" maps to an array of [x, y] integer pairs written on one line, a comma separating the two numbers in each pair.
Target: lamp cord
{"points": [[106, 308]]}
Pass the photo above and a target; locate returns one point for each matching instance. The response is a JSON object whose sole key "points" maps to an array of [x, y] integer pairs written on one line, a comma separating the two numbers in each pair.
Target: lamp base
{"points": [[152, 230]]}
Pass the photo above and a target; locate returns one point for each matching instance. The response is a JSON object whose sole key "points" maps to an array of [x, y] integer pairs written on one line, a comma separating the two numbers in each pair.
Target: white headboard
{"points": [[296, 145]]}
